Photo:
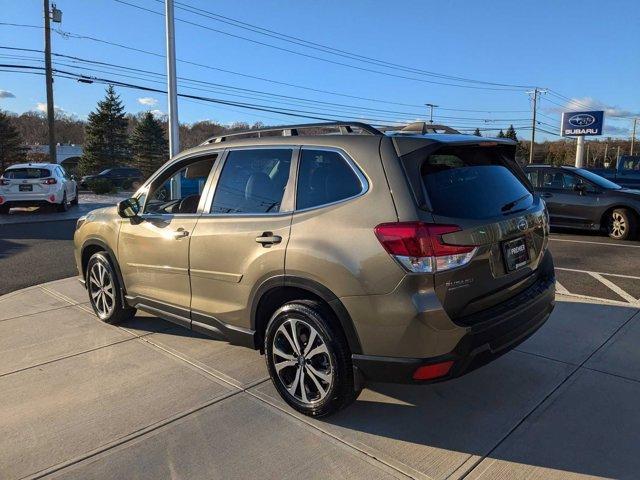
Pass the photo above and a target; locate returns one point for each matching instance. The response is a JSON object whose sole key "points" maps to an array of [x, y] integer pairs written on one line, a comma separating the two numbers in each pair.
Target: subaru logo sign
{"points": [[582, 123], [522, 224], [582, 120]]}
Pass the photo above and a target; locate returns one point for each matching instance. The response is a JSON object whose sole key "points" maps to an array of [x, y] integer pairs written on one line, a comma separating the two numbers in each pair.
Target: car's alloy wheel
{"points": [[618, 227], [102, 290], [64, 205], [302, 361], [308, 358]]}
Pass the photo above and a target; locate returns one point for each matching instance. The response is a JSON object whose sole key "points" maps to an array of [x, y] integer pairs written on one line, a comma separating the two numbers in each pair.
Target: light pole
{"points": [[172, 94], [633, 135], [536, 91], [431, 107]]}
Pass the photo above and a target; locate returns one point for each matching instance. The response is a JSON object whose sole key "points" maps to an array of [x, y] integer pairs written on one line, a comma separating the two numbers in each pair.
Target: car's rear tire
{"points": [[4, 209], [104, 290], [75, 199], [621, 224], [308, 359], [63, 206]]}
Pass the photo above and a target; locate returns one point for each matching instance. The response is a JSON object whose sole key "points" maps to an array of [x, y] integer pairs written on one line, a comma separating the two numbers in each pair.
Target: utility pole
{"points": [[633, 136], [431, 107], [536, 91], [172, 94], [56, 16]]}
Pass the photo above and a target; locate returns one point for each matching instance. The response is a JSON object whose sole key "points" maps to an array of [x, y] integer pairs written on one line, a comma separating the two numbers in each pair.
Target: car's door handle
{"points": [[180, 233], [546, 195], [268, 238]]}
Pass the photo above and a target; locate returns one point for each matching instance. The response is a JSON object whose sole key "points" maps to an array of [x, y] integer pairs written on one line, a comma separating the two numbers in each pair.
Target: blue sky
{"points": [[587, 51]]}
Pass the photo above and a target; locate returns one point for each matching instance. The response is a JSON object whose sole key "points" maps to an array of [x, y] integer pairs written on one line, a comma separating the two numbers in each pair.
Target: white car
{"points": [[37, 184]]}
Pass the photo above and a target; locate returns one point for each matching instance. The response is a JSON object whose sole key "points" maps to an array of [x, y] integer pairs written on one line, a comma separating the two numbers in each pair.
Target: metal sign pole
{"points": [[580, 152]]}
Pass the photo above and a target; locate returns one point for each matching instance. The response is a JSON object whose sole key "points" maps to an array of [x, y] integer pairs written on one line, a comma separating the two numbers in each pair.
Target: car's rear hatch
{"points": [[477, 186], [25, 180]]}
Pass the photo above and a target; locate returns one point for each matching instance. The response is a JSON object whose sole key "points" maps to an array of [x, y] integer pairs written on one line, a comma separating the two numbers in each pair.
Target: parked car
{"points": [[117, 176], [627, 173], [409, 258], [578, 198], [37, 184]]}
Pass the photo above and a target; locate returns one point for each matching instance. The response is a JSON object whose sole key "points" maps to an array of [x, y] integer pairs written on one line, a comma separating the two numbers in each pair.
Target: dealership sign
{"points": [[582, 123]]}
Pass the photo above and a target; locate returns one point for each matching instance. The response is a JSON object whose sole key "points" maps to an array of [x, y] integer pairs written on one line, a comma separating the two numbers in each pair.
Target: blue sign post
{"points": [[582, 123]]}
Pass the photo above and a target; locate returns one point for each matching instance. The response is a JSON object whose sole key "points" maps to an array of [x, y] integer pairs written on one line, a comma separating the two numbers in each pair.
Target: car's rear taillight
{"points": [[419, 247], [49, 181]]}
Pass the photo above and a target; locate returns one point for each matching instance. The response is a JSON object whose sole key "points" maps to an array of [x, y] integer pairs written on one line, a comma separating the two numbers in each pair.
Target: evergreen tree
{"points": [[500, 134], [511, 133], [149, 145], [11, 144], [106, 144], [477, 133]]}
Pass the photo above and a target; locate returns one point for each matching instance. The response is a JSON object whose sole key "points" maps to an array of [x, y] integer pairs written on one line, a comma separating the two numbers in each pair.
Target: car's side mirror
{"points": [[129, 208]]}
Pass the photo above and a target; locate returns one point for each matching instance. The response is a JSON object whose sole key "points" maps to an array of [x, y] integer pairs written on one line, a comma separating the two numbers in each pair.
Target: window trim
{"points": [[144, 189], [364, 182], [286, 206]]}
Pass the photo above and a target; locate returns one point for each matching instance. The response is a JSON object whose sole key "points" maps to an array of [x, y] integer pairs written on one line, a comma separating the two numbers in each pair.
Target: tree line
{"points": [[111, 137]]}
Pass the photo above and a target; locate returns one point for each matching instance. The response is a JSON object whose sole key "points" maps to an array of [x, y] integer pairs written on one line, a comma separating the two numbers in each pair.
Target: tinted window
{"points": [[532, 175], [559, 180], [472, 182], [598, 180], [252, 181], [26, 173], [178, 191], [324, 177]]}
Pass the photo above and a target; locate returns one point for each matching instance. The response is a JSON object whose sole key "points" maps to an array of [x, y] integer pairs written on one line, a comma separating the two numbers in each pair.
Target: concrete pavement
{"points": [[82, 399]]}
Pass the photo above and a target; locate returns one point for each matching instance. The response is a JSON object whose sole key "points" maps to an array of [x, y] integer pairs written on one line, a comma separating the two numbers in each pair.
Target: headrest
{"points": [[199, 169]]}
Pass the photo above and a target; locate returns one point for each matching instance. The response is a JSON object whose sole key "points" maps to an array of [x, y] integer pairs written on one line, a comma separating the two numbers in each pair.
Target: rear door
{"points": [[481, 191], [241, 238]]}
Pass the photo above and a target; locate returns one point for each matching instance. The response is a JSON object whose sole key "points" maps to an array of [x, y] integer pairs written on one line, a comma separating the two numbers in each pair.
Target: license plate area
{"points": [[515, 253], [25, 188]]}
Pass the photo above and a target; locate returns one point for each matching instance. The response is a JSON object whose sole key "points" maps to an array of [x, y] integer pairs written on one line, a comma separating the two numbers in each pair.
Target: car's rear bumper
{"points": [[30, 199], [512, 323]]}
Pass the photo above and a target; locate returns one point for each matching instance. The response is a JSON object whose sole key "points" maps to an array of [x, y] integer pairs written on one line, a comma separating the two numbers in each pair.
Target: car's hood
{"points": [[629, 192]]}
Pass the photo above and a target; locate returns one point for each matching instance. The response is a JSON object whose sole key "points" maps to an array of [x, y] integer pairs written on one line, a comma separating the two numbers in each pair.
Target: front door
{"points": [[241, 238], [154, 248], [567, 205]]}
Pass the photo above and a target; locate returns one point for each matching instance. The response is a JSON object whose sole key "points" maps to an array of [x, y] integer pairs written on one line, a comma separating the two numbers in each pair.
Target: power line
{"points": [[351, 109], [67, 34], [334, 62], [328, 49]]}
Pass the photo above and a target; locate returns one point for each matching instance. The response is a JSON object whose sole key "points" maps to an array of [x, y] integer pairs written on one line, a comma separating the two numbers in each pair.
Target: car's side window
{"points": [[532, 175], [252, 181], [178, 190], [558, 180], [324, 177]]}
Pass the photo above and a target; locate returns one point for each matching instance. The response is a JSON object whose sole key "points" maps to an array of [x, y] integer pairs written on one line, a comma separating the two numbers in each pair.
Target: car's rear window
{"points": [[472, 182], [27, 173]]}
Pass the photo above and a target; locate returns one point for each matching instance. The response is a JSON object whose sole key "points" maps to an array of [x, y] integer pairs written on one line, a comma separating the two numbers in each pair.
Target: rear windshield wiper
{"points": [[508, 206]]}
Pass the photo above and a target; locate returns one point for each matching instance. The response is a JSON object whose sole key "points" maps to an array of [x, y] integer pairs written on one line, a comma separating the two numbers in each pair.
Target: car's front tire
{"points": [[104, 290], [308, 358], [621, 224]]}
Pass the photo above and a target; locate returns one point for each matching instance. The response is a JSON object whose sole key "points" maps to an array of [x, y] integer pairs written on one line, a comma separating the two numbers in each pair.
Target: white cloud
{"points": [[158, 113], [6, 94], [150, 101], [42, 107], [589, 103]]}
